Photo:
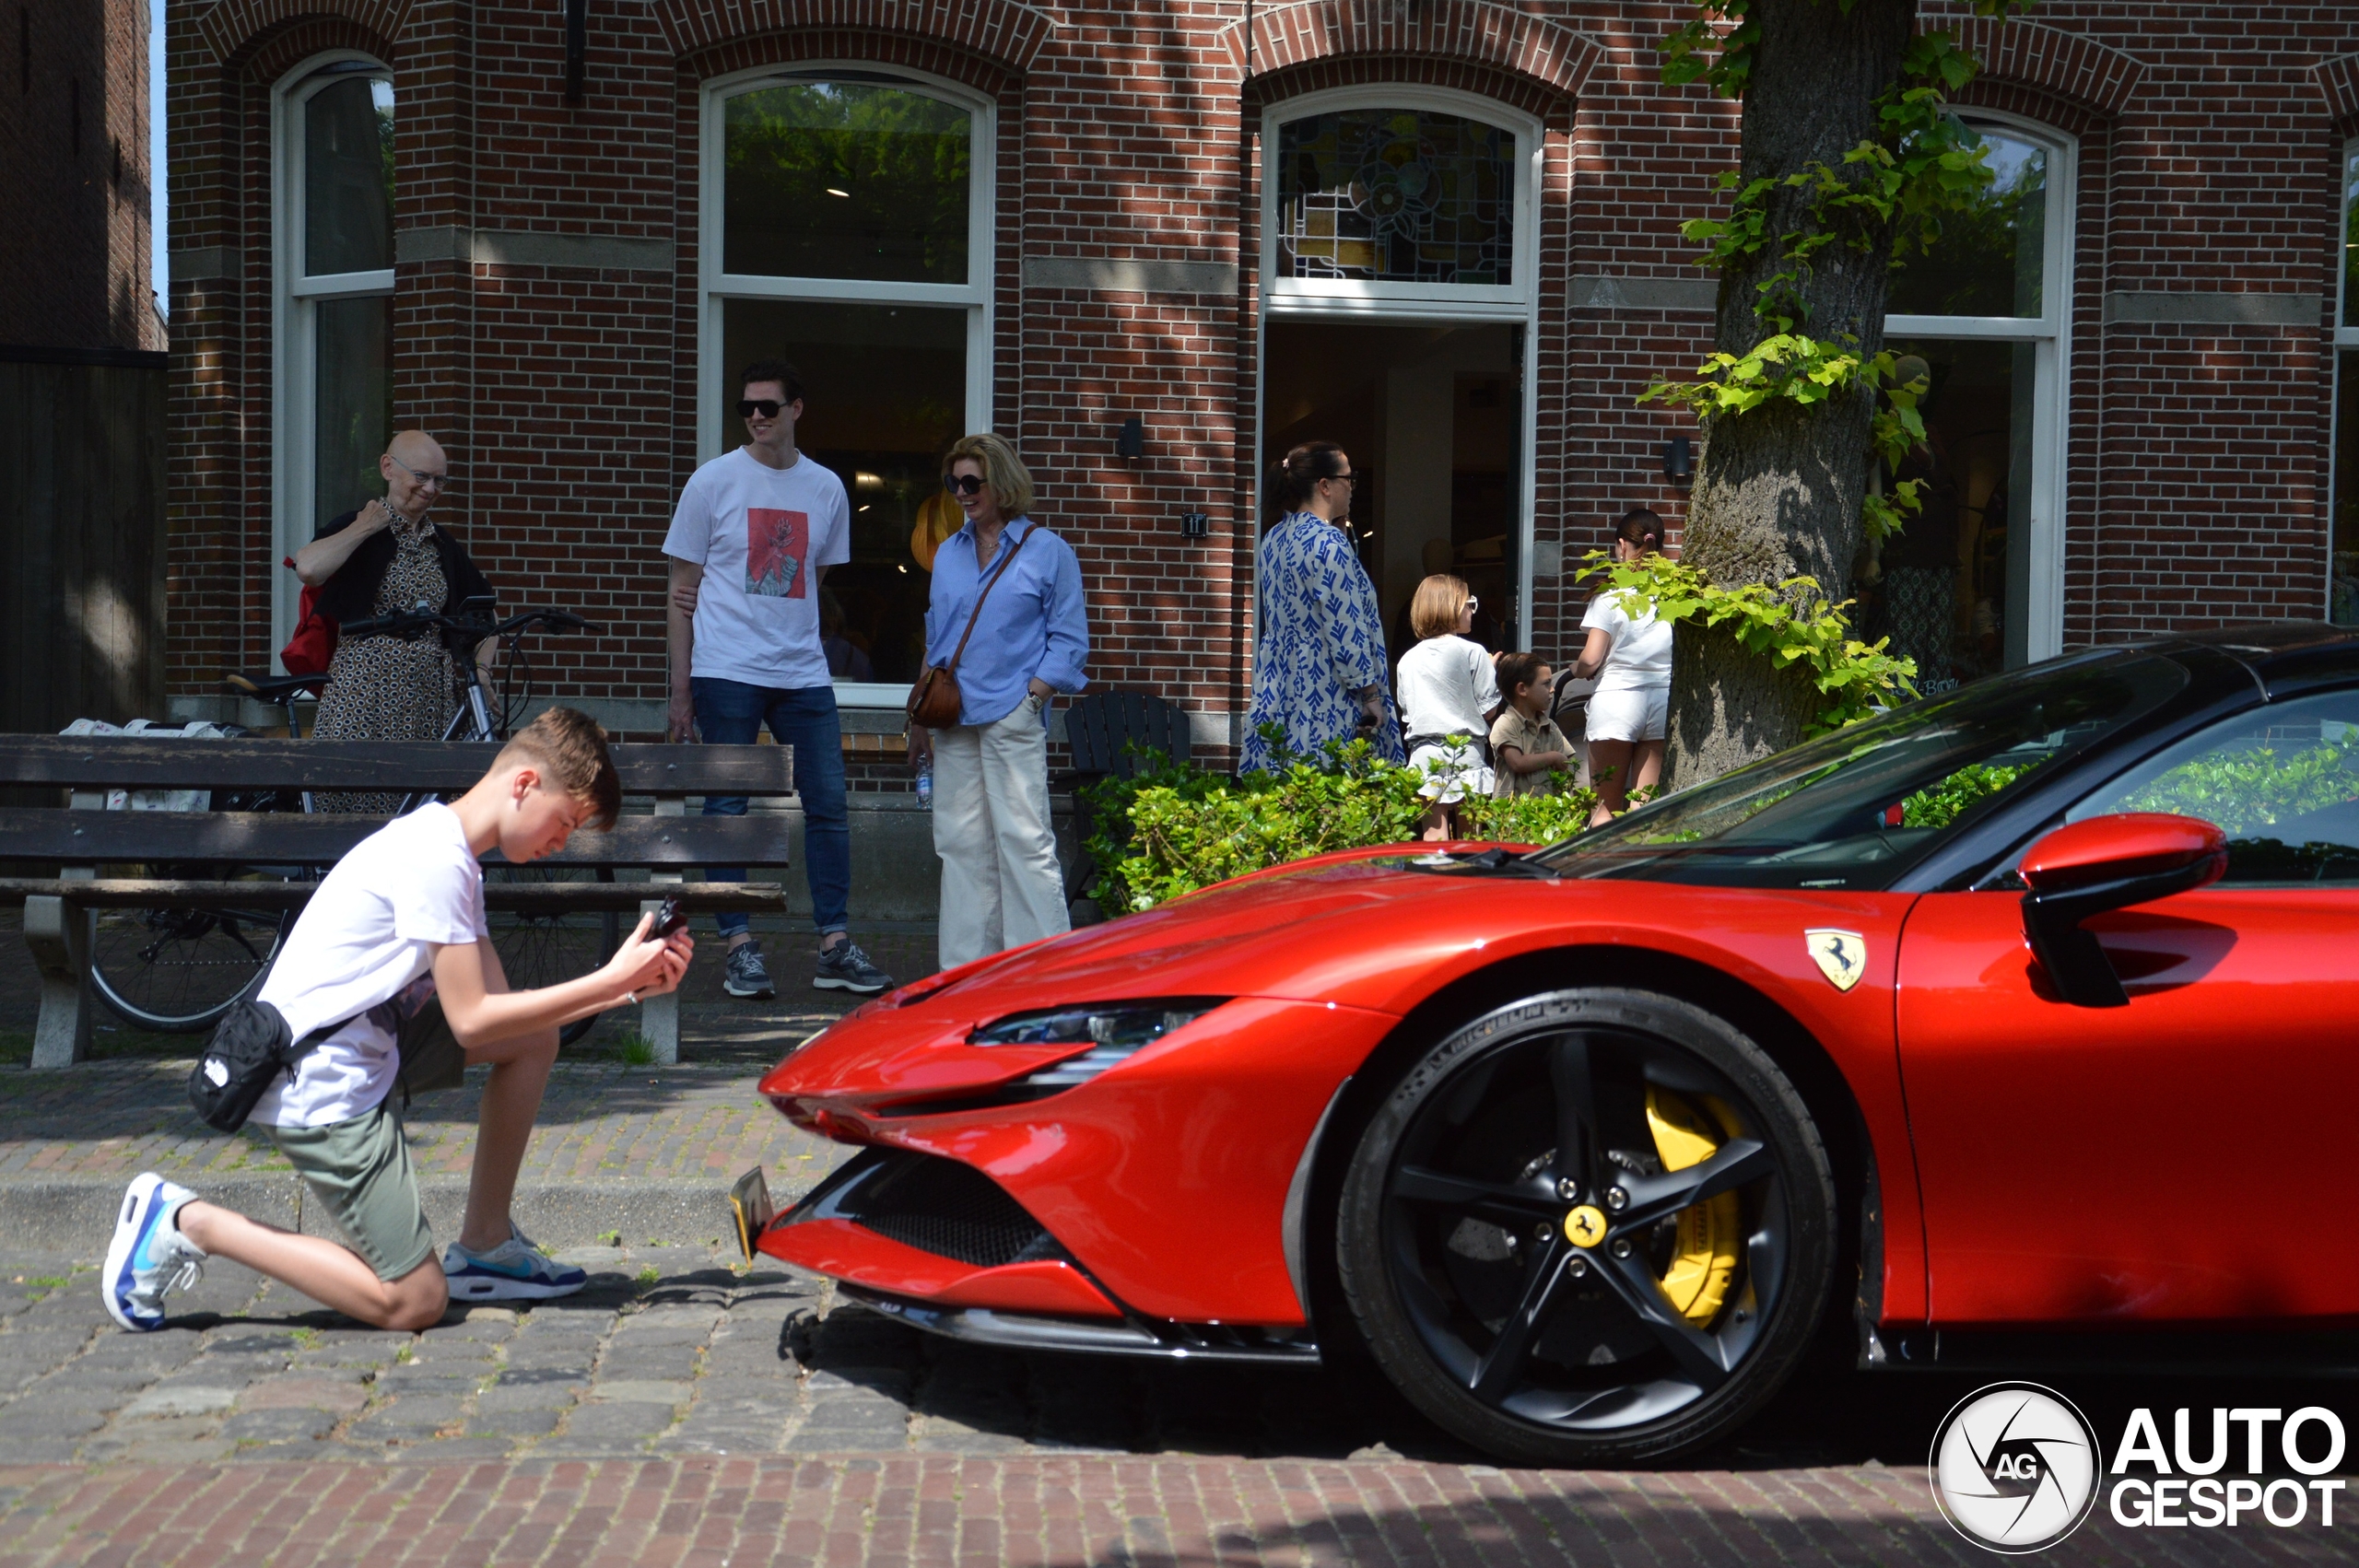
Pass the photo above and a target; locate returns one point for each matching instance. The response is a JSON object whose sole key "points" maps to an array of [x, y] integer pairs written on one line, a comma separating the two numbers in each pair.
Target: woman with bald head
{"points": [[377, 560]]}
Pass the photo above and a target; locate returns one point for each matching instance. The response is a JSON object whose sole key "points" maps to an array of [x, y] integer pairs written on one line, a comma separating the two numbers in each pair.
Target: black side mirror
{"points": [[2108, 862]]}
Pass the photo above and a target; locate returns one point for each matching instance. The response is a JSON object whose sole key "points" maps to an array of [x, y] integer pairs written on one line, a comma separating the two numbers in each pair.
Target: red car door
{"points": [[2187, 1156]]}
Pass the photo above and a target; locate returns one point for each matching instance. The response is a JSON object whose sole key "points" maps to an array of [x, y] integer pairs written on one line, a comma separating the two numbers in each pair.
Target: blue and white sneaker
{"points": [[514, 1270], [149, 1256]]}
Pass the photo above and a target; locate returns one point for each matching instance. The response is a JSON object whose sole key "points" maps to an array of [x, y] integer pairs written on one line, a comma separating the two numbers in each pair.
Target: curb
{"points": [[77, 1216]]}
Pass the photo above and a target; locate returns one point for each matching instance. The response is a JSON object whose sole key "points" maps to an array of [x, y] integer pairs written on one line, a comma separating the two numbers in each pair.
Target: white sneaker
{"points": [[514, 1270], [149, 1256]]}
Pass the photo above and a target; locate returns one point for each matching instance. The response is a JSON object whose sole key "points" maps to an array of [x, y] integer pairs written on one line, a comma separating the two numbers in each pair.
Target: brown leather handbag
{"points": [[934, 701]]}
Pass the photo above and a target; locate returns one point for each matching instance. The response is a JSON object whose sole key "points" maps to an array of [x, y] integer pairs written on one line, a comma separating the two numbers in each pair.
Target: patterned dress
{"points": [[388, 688], [1321, 637]]}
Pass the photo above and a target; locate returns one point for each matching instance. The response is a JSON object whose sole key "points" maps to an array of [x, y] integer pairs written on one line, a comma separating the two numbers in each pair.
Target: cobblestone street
{"points": [[683, 1408]]}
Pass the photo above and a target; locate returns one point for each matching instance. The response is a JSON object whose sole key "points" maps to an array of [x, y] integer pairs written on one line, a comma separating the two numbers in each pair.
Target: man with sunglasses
{"points": [[756, 532]]}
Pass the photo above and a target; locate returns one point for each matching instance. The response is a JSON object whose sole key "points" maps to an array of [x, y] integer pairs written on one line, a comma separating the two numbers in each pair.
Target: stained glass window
{"points": [[1396, 196]]}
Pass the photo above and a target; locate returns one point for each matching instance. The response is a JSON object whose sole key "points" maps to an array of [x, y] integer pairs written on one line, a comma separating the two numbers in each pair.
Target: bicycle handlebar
{"points": [[427, 620]]}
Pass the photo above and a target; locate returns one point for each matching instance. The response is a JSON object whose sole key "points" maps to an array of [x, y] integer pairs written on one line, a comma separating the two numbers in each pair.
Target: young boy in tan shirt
{"points": [[1527, 749]]}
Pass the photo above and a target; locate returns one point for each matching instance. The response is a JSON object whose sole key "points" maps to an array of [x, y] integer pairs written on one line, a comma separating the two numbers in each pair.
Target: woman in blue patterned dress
{"points": [[1318, 667]]}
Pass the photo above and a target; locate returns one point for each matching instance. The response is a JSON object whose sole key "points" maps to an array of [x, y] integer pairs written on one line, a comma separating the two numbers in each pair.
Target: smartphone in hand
{"points": [[669, 918]]}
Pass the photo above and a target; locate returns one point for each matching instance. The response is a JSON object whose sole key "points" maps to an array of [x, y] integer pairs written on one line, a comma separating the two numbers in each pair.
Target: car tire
{"points": [[1456, 1201]]}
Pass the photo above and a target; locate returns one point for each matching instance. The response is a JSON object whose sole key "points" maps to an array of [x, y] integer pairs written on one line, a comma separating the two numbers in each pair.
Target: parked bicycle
{"points": [[179, 971]]}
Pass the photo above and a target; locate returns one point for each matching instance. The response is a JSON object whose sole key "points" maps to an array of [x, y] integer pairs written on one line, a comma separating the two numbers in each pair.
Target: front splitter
{"points": [[1021, 1331]]}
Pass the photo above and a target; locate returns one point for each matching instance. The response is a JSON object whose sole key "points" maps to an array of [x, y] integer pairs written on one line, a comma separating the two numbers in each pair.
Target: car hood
{"points": [[1359, 928], [1367, 932]]}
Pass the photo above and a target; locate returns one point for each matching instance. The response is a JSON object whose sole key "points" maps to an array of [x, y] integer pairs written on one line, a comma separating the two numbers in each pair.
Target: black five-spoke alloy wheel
{"points": [[1594, 1226]]}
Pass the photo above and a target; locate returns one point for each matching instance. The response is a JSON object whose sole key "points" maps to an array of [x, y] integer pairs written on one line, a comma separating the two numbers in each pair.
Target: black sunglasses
{"points": [[965, 484], [768, 406]]}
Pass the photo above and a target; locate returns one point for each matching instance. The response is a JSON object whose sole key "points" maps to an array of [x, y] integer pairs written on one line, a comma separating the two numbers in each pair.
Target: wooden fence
{"points": [[81, 537]]}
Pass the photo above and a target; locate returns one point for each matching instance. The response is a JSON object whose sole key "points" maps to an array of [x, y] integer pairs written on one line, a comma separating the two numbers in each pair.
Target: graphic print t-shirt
{"points": [[761, 533]]}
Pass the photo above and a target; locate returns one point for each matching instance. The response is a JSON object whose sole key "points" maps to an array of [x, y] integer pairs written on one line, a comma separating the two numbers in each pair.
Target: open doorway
{"points": [[1432, 417]]}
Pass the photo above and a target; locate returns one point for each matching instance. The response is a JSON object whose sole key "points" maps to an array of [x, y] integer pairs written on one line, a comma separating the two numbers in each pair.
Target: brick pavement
{"points": [[600, 1120], [685, 1410], [847, 1510]]}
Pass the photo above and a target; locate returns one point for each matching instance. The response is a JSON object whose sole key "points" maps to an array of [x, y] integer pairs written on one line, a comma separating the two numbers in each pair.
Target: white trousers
{"points": [[1001, 883]]}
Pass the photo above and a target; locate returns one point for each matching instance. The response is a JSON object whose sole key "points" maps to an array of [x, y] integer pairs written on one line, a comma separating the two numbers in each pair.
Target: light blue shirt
{"points": [[1033, 624]]}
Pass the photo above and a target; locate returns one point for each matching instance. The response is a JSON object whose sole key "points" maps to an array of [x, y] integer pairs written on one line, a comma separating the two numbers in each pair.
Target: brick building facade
{"points": [[1444, 232], [74, 269]]}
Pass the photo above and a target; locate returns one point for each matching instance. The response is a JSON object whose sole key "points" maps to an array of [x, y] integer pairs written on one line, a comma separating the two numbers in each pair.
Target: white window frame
{"points": [[1440, 304], [715, 286], [2050, 332], [295, 403], [2346, 341]]}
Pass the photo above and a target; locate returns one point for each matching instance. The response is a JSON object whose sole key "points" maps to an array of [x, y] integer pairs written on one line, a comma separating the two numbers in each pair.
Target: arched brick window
{"points": [[847, 230], [333, 280], [1400, 254], [1974, 582]]}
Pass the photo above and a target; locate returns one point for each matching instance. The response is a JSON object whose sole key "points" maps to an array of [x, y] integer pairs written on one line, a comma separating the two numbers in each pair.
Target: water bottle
{"points": [[925, 783]]}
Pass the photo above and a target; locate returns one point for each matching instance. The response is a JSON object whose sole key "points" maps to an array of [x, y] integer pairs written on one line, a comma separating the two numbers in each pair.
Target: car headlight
{"points": [[1115, 1031]]}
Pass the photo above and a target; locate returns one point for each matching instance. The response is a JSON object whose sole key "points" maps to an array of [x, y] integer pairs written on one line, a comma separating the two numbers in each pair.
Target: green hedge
{"points": [[1171, 830]]}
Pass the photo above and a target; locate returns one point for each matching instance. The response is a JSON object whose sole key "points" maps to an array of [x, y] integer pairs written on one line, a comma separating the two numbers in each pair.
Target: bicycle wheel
{"points": [[176, 971], [538, 949]]}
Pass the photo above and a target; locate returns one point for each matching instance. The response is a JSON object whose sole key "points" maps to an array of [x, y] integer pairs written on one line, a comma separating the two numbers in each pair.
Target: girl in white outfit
{"points": [[1448, 695], [1630, 659]]}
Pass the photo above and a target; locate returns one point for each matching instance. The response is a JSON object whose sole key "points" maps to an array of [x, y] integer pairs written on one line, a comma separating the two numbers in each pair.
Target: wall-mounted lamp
{"points": [[1678, 458], [1131, 441], [576, 46]]}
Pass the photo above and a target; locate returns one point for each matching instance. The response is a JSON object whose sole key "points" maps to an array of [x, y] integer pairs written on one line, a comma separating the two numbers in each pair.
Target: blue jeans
{"points": [[732, 713]]}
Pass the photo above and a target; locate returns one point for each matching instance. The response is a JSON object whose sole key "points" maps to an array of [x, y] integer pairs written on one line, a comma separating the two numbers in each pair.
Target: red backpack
{"points": [[313, 644]]}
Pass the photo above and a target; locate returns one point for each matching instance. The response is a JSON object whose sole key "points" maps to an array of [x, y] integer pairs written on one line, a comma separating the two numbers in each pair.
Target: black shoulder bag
{"points": [[250, 1049]]}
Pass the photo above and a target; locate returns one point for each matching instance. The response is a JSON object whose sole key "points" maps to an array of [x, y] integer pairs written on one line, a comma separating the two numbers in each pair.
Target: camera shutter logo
{"points": [[2016, 1468]]}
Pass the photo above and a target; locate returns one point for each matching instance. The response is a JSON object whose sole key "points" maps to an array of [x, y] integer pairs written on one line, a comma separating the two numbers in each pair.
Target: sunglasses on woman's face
{"points": [[767, 407], [965, 484]]}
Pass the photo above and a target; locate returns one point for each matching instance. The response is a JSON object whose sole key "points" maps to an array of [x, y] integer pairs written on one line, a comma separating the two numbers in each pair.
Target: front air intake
{"points": [[937, 1206]]}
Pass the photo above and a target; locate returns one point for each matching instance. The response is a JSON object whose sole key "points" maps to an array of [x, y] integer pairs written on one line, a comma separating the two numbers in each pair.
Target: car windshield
{"points": [[1857, 808]]}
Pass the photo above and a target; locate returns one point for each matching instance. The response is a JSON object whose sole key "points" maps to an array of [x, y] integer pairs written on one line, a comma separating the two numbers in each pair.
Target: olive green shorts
{"points": [[360, 1172]]}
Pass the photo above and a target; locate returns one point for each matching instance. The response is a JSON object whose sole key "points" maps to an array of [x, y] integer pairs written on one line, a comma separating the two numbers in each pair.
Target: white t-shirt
{"points": [[1641, 656], [759, 533], [367, 937], [1447, 684]]}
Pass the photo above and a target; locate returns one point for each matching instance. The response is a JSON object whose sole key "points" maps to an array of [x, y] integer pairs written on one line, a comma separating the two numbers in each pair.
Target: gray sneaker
{"points": [[844, 967], [743, 973]]}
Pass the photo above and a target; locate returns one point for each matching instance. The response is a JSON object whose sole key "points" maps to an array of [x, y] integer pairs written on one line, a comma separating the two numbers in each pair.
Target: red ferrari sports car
{"points": [[1999, 1011]]}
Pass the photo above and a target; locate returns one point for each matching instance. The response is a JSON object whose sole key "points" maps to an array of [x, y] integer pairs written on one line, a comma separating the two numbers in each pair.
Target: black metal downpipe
{"points": [[576, 46]]}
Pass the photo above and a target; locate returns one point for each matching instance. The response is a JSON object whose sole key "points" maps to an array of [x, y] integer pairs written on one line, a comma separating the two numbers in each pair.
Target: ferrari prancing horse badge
{"points": [[1841, 956]]}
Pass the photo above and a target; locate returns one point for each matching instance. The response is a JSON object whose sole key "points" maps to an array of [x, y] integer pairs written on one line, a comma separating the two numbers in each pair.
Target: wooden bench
{"points": [[83, 839]]}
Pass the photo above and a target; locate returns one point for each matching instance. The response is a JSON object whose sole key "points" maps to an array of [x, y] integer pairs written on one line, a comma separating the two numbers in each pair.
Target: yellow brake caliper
{"points": [[1698, 1280]]}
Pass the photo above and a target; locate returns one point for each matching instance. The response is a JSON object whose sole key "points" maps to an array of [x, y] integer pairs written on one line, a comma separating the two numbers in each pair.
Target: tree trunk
{"points": [[1779, 491]]}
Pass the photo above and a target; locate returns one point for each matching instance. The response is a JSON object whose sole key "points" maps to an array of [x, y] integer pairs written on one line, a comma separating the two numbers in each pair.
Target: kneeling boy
{"points": [[397, 925]]}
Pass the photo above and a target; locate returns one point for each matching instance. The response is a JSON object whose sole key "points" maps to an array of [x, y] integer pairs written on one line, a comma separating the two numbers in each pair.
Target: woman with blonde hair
{"points": [[1006, 620], [1448, 693]]}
